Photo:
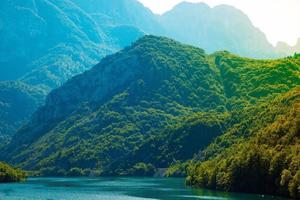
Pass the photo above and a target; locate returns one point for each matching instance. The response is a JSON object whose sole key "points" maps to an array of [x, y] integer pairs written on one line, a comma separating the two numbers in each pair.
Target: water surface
{"points": [[113, 189]]}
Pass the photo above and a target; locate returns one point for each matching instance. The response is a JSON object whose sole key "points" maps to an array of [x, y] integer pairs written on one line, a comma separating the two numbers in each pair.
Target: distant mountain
{"points": [[17, 102], [157, 92], [126, 12], [219, 28], [43, 29], [50, 29], [284, 48]]}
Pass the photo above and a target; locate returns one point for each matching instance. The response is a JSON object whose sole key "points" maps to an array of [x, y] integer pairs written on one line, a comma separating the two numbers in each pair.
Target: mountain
{"points": [[45, 43], [219, 28], [50, 29], [156, 91], [43, 25], [9, 174], [89, 30], [284, 48], [127, 12], [104, 101]]}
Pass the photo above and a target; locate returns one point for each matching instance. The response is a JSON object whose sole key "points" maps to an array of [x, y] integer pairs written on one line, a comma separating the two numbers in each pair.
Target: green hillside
{"points": [[158, 103], [17, 102], [9, 174], [61, 39], [261, 154]]}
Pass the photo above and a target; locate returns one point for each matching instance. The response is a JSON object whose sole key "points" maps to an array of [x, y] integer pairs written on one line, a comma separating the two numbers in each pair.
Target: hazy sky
{"points": [[278, 19]]}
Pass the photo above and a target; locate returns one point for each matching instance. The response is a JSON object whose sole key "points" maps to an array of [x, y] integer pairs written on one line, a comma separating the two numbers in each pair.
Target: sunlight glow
{"points": [[278, 19]]}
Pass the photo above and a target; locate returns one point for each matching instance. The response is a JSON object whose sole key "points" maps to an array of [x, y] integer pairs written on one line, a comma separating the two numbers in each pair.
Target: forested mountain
{"points": [[34, 29], [116, 105], [260, 154], [78, 33], [17, 102], [155, 104], [46, 42], [225, 121]]}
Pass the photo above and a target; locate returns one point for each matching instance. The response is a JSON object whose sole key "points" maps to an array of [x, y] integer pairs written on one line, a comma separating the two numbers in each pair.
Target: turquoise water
{"points": [[112, 189]]}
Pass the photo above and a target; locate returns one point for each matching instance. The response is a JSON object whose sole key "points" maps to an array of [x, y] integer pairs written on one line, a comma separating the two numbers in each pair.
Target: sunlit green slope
{"points": [[9, 174], [155, 104], [260, 154]]}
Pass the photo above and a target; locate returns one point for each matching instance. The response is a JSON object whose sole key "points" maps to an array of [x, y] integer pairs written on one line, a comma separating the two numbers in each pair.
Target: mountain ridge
{"points": [[156, 63]]}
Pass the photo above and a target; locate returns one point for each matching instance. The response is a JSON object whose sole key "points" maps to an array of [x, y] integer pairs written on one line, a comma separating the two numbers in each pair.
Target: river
{"points": [[113, 189]]}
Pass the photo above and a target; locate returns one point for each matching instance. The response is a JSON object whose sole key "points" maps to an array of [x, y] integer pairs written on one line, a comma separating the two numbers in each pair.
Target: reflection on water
{"points": [[113, 189]]}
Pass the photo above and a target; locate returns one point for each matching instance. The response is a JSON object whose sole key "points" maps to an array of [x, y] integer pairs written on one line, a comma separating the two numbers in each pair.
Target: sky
{"points": [[278, 19]]}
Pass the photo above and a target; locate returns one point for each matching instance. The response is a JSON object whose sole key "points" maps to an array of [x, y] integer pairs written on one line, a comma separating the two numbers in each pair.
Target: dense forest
{"points": [[222, 120], [9, 174], [260, 154]]}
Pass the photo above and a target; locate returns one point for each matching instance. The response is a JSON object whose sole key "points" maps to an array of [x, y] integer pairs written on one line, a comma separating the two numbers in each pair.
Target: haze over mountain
{"points": [[219, 28], [283, 47], [167, 101], [78, 34]]}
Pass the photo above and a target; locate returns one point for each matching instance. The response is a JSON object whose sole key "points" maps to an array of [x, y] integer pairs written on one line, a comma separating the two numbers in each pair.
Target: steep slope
{"points": [[125, 12], [53, 28], [118, 103], [94, 29], [46, 42], [219, 28], [247, 83], [112, 110], [173, 145], [17, 102], [43, 25], [259, 155]]}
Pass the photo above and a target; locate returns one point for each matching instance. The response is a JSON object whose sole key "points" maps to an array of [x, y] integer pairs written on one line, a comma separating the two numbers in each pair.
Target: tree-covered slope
{"points": [[260, 154], [31, 29], [247, 84], [17, 102], [102, 114], [46, 42], [173, 145], [9, 174], [53, 28], [133, 97]]}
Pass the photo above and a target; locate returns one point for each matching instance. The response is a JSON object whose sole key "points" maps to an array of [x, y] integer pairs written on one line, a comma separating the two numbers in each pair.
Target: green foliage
{"points": [[267, 161], [141, 169], [174, 145], [17, 102], [158, 103], [177, 169], [8, 174]]}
